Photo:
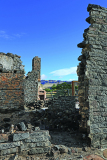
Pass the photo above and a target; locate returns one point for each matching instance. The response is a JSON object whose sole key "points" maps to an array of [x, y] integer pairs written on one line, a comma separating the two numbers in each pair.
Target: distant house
{"points": [[41, 94]]}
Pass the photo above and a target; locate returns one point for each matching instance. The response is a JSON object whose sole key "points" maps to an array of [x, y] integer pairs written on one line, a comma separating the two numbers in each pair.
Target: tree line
{"points": [[60, 87]]}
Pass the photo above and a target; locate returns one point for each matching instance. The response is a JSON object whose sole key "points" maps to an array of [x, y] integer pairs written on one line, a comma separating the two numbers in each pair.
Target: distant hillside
{"points": [[49, 83]]}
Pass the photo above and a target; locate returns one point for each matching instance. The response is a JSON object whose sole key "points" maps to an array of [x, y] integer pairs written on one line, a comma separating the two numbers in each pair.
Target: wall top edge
{"points": [[36, 57], [10, 54], [90, 6]]}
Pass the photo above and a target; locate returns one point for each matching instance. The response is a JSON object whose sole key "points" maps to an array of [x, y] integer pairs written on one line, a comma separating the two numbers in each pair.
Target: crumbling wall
{"points": [[11, 82], [15, 90], [24, 143], [92, 72], [63, 103], [61, 114], [31, 87]]}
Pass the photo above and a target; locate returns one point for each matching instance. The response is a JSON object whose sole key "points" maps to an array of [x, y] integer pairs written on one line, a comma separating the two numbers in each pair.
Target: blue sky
{"points": [[49, 29]]}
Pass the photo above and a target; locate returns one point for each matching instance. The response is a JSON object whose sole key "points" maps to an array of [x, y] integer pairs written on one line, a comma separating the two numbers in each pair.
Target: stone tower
{"points": [[36, 65]]}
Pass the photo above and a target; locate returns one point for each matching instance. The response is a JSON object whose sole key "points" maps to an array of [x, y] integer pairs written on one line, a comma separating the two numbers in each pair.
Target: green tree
{"points": [[53, 87], [60, 87], [48, 90], [66, 85], [76, 87], [63, 86]]}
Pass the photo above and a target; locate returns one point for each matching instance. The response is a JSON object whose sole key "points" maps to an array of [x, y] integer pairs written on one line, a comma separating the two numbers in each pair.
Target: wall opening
{"points": [[15, 71], [41, 97]]}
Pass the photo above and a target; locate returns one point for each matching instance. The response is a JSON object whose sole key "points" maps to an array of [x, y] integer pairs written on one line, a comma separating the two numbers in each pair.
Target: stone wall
{"points": [[24, 143], [92, 77], [63, 103], [60, 113], [31, 87], [16, 90], [11, 82]]}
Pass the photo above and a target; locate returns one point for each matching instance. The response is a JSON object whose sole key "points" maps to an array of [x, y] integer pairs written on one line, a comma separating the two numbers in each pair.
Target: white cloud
{"points": [[43, 77], [19, 35], [64, 72], [71, 79], [3, 34], [60, 77]]}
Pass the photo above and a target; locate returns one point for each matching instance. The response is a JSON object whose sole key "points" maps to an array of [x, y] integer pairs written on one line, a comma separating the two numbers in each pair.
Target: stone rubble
{"points": [[59, 115], [27, 142], [64, 117], [30, 142], [33, 119]]}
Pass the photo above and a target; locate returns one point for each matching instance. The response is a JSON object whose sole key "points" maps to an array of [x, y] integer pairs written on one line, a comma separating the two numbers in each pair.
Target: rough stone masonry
{"points": [[15, 90], [11, 82], [92, 77], [24, 142]]}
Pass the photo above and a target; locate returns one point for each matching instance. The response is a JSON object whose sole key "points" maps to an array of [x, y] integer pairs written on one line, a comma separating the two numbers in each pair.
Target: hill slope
{"points": [[49, 83]]}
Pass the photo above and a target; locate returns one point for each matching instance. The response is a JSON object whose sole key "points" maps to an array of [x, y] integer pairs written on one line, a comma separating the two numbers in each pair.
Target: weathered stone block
{"points": [[27, 146], [8, 151], [37, 139], [43, 144], [3, 138], [4, 146], [38, 150], [35, 151], [22, 126], [39, 133], [20, 136]]}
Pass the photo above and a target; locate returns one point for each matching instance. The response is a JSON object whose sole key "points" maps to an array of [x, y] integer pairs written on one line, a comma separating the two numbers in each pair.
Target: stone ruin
{"points": [[15, 90], [92, 77], [25, 131]]}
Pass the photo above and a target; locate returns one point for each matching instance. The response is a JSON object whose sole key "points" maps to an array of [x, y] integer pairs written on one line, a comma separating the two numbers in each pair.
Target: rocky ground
{"points": [[68, 146], [67, 142]]}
